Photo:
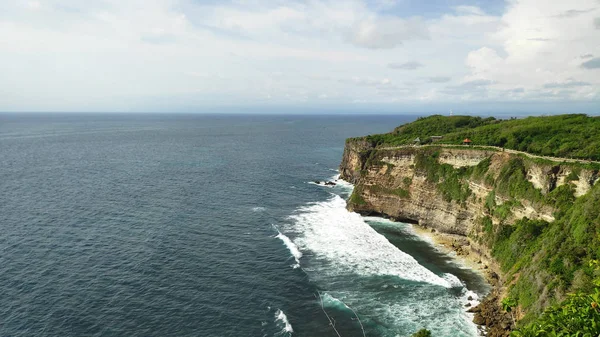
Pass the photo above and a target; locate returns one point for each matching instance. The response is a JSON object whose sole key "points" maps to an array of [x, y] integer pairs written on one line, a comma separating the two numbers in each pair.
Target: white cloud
{"points": [[387, 32], [566, 84], [540, 45], [34, 5], [439, 79], [411, 65], [469, 10], [126, 55]]}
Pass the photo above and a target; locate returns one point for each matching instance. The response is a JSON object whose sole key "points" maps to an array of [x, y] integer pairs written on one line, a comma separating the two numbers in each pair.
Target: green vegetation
{"points": [[573, 175], [356, 197], [450, 182], [578, 316], [422, 333], [545, 261], [575, 317], [576, 135], [402, 193]]}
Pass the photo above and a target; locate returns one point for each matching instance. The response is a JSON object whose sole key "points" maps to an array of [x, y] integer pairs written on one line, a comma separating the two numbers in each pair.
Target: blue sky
{"points": [[434, 8], [304, 55]]}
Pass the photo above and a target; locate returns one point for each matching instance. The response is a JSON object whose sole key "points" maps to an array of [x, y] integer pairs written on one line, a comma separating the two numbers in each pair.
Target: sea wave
{"points": [[332, 302], [296, 253], [332, 232], [453, 281], [282, 321]]}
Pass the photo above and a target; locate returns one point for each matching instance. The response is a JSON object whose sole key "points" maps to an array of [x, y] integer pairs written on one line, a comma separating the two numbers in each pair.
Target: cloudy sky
{"points": [[355, 55]]}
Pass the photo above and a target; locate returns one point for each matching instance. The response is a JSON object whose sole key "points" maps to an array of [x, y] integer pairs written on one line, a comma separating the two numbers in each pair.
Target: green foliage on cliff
{"points": [[575, 135], [402, 193], [356, 197], [450, 182], [578, 315], [512, 181], [422, 333], [545, 261]]}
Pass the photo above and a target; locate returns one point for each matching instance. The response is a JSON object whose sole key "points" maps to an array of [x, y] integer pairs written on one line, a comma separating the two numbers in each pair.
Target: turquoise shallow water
{"points": [[206, 225]]}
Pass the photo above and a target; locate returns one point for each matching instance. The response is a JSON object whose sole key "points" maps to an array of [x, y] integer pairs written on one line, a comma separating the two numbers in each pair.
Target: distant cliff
{"points": [[533, 222]]}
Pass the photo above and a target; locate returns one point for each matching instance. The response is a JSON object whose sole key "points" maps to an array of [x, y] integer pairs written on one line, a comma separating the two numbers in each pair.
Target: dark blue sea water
{"points": [[206, 225]]}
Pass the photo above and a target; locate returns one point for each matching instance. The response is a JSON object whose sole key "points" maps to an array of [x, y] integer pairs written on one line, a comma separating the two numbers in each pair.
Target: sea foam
{"points": [[281, 319], [331, 232], [296, 253]]}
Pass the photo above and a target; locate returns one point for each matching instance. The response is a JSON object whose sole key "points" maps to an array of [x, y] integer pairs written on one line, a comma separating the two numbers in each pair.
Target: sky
{"points": [[305, 55]]}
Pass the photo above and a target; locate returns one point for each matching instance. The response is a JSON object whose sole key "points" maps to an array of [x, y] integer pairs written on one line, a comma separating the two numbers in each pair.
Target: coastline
{"points": [[488, 315], [451, 245]]}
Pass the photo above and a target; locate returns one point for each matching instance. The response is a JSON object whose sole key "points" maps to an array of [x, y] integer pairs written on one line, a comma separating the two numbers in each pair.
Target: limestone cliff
{"points": [[455, 190]]}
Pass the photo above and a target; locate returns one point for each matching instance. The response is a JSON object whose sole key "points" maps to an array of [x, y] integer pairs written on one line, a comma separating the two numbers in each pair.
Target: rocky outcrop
{"points": [[353, 159]]}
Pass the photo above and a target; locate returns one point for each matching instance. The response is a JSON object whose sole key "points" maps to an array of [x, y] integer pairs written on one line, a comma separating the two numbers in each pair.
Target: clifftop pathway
{"points": [[496, 148]]}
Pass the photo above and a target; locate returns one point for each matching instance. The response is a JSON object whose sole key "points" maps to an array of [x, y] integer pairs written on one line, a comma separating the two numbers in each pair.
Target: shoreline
{"points": [[447, 243], [488, 315]]}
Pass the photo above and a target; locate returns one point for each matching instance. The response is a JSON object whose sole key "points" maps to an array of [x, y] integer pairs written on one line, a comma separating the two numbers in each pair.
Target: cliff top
{"points": [[564, 136]]}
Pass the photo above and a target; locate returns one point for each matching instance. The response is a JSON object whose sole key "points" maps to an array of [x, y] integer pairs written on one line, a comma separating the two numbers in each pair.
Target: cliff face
{"points": [[389, 182], [456, 190]]}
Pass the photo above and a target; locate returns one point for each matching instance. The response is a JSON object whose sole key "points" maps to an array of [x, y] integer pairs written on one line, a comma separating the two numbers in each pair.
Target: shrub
{"points": [[422, 333]]}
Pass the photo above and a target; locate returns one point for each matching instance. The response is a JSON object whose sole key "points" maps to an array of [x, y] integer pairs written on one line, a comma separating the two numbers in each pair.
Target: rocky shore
{"points": [[489, 313]]}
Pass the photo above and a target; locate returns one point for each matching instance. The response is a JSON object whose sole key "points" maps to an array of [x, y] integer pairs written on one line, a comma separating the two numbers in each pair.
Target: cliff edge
{"points": [[512, 213]]}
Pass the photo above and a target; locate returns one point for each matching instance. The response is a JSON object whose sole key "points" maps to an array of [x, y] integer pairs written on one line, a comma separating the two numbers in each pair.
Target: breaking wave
{"points": [[296, 253], [282, 321], [331, 232]]}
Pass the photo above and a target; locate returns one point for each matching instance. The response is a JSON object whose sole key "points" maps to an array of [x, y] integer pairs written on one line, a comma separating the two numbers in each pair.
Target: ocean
{"points": [[207, 225]]}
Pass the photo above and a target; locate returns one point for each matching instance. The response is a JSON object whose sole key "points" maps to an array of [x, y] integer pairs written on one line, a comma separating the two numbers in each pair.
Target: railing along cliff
{"points": [[496, 148]]}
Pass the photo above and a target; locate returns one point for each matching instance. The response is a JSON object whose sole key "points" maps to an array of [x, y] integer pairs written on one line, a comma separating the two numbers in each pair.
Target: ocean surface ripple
{"points": [[204, 225]]}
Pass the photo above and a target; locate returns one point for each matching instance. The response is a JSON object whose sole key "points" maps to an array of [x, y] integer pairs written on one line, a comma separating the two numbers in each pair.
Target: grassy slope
{"points": [[576, 136]]}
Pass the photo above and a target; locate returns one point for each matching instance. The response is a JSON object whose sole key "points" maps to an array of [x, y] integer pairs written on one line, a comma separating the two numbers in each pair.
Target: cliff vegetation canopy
{"points": [[569, 136]]}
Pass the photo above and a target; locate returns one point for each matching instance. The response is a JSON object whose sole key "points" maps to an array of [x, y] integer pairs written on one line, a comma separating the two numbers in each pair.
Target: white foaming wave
{"points": [[258, 209], [345, 185], [407, 308], [321, 183], [343, 237], [282, 318], [330, 301], [296, 253], [453, 281]]}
